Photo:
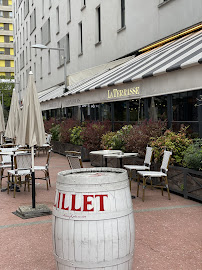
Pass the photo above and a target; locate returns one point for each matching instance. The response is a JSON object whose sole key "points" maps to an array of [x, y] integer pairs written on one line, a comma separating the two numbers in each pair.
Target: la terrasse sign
{"points": [[115, 93]]}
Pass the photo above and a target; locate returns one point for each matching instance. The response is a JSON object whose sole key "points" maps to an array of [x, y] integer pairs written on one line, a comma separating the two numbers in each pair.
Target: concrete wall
{"points": [[146, 21]]}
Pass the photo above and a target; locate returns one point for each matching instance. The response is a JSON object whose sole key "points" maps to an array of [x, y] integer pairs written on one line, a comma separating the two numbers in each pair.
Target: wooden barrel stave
{"points": [[113, 237]]}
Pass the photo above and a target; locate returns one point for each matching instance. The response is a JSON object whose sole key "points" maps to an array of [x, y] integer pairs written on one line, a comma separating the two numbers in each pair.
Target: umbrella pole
{"points": [[33, 179]]}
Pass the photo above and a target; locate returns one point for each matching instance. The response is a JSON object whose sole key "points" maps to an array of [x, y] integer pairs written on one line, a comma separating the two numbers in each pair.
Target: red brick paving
{"points": [[168, 233]]}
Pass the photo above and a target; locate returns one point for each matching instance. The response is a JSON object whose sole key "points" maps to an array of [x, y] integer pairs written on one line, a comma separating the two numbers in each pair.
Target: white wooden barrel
{"points": [[93, 222]]}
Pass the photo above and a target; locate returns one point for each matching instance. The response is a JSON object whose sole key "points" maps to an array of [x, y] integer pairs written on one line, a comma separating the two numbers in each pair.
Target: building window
{"points": [[10, 14], [122, 13], [50, 3], [26, 55], [80, 39], [30, 51], [22, 60], [41, 68], [33, 21], [35, 71], [45, 33], [42, 9], [26, 30], [98, 25], [35, 43], [26, 8], [68, 48], [1, 2], [49, 62], [68, 11], [83, 4], [23, 35], [57, 20], [1, 14]]}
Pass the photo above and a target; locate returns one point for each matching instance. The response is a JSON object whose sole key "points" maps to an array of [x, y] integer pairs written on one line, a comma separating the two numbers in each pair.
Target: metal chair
{"points": [[23, 164], [145, 167], [44, 169], [162, 174], [74, 159], [6, 161]]}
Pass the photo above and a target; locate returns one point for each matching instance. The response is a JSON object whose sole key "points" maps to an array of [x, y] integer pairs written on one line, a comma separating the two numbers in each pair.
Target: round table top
{"points": [[105, 152], [120, 155]]}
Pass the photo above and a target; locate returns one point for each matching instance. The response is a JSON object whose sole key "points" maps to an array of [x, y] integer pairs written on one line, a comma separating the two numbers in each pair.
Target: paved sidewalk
{"points": [[168, 233]]}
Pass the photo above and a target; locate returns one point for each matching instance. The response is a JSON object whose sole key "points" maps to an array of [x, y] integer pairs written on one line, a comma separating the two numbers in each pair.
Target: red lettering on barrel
{"points": [[86, 203], [59, 199], [74, 203], [63, 203], [101, 201]]}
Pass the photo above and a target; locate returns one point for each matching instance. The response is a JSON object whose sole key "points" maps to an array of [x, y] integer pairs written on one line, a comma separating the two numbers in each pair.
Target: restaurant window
{"points": [[157, 108], [136, 110], [98, 25], [184, 111], [106, 109], [94, 112], [85, 112], [120, 108]]}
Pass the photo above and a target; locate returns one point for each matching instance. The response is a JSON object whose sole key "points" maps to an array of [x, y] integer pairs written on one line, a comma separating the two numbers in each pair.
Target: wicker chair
{"points": [[23, 164], [74, 159], [162, 174], [145, 167], [45, 170]]}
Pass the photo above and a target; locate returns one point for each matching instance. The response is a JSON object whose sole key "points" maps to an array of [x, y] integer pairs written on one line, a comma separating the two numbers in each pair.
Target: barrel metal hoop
{"points": [[92, 188], [92, 265], [97, 217]]}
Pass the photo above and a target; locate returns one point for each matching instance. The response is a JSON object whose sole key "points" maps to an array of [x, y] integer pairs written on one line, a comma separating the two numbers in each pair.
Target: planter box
{"points": [[185, 181], [60, 148]]}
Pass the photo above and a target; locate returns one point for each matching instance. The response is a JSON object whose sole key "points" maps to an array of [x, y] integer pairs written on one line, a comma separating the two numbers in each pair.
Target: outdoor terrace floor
{"points": [[168, 233]]}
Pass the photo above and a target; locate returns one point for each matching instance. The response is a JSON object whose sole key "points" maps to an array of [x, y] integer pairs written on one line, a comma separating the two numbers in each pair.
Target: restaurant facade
{"points": [[162, 81]]}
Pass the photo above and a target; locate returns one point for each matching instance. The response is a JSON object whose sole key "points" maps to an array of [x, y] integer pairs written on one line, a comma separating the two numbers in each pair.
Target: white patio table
{"points": [[104, 152]]}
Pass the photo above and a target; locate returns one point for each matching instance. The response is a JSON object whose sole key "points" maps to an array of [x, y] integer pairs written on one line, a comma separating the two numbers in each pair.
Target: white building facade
{"points": [[160, 36], [94, 31]]}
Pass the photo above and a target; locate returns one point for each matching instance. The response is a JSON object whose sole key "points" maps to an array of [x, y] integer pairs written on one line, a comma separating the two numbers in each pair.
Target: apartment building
{"points": [[6, 39], [97, 37]]}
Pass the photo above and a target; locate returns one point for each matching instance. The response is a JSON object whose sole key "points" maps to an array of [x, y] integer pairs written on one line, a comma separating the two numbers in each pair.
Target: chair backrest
{"points": [[48, 157], [165, 161], [7, 158], [148, 156], [48, 138], [74, 159], [23, 161]]}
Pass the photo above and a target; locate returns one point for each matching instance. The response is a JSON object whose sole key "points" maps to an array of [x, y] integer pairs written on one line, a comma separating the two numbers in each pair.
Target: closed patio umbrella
{"points": [[153, 111], [2, 123], [31, 130], [13, 118]]}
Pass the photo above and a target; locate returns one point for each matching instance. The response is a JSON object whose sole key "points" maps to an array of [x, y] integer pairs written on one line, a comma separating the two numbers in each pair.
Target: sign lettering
{"points": [[86, 204], [115, 93]]}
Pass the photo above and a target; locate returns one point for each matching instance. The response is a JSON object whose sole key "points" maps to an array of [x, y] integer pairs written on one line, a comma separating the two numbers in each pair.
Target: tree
{"points": [[6, 89]]}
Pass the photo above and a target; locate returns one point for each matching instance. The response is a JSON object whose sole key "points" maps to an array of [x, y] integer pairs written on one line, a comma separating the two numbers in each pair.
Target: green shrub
{"points": [[55, 131], [76, 135], [175, 142], [140, 135], [65, 129], [92, 134], [193, 155], [106, 141], [116, 140]]}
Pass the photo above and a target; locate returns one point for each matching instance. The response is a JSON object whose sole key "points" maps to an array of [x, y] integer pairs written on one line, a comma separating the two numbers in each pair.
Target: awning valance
{"points": [[177, 63]]}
